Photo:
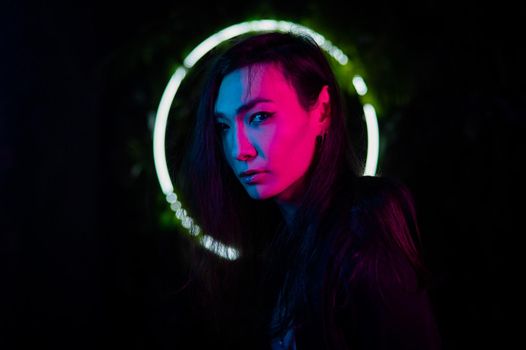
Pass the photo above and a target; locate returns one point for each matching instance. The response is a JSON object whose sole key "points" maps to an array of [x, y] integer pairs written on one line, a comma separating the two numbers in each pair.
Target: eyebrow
{"points": [[247, 106]]}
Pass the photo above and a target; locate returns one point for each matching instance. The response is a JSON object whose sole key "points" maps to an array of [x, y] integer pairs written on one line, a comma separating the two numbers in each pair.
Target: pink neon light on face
{"points": [[272, 133]]}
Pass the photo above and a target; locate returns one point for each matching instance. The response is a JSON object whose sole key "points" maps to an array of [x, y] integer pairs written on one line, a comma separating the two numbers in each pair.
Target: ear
{"points": [[322, 110]]}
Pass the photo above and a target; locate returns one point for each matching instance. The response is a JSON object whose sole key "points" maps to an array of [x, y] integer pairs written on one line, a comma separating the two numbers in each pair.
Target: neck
{"points": [[288, 201], [288, 210]]}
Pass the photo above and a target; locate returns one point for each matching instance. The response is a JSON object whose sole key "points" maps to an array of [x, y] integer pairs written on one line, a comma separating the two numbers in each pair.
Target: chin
{"points": [[259, 193]]}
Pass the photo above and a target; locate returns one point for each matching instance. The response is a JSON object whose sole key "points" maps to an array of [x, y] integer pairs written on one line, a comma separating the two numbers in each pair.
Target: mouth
{"points": [[252, 177], [249, 173]]}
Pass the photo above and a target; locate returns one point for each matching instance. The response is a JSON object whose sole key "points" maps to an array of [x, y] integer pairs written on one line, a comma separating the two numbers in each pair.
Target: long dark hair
{"points": [[296, 267]]}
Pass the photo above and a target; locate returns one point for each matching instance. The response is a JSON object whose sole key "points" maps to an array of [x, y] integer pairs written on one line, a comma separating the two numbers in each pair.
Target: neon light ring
{"points": [[195, 55]]}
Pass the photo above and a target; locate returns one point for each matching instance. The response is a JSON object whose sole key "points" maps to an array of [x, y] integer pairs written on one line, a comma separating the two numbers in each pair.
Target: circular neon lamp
{"points": [[168, 95]]}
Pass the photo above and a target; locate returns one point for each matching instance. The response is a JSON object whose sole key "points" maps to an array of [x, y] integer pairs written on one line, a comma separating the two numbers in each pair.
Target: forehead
{"points": [[257, 81]]}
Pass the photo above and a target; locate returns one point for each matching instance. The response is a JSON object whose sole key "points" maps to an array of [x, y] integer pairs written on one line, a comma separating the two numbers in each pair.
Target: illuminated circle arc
{"points": [[170, 91]]}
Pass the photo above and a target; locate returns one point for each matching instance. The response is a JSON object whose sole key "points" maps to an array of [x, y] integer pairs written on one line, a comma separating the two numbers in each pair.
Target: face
{"points": [[263, 127]]}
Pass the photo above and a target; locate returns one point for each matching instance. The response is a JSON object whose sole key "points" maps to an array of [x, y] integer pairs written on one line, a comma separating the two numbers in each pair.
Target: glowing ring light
{"points": [[175, 81]]}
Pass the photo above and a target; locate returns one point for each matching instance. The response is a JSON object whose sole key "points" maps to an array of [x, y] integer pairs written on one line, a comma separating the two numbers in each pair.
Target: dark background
{"points": [[86, 260]]}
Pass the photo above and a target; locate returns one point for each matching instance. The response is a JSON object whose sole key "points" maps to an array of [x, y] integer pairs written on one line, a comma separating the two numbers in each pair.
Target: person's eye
{"points": [[221, 127], [260, 116]]}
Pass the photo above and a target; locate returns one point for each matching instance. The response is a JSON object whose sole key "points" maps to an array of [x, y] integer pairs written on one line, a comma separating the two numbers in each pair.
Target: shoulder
{"points": [[383, 212], [382, 301], [375, 193], [384, 310], [383, 234]]}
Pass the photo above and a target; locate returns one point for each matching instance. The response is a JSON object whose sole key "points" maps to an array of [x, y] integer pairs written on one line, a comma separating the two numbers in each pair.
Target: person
{"points": [[328, 258]]}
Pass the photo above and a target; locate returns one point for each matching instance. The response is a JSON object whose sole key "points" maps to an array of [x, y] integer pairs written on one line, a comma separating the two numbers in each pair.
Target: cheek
{"points": [[292, 150], [226, 155], [225, 149]]}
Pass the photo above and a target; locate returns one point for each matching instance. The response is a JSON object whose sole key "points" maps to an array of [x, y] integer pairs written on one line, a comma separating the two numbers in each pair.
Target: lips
{"points": [[250, 172]]}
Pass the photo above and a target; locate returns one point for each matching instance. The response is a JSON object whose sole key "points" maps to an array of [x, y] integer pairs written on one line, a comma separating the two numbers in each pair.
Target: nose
{"points": [[242, 148]]}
